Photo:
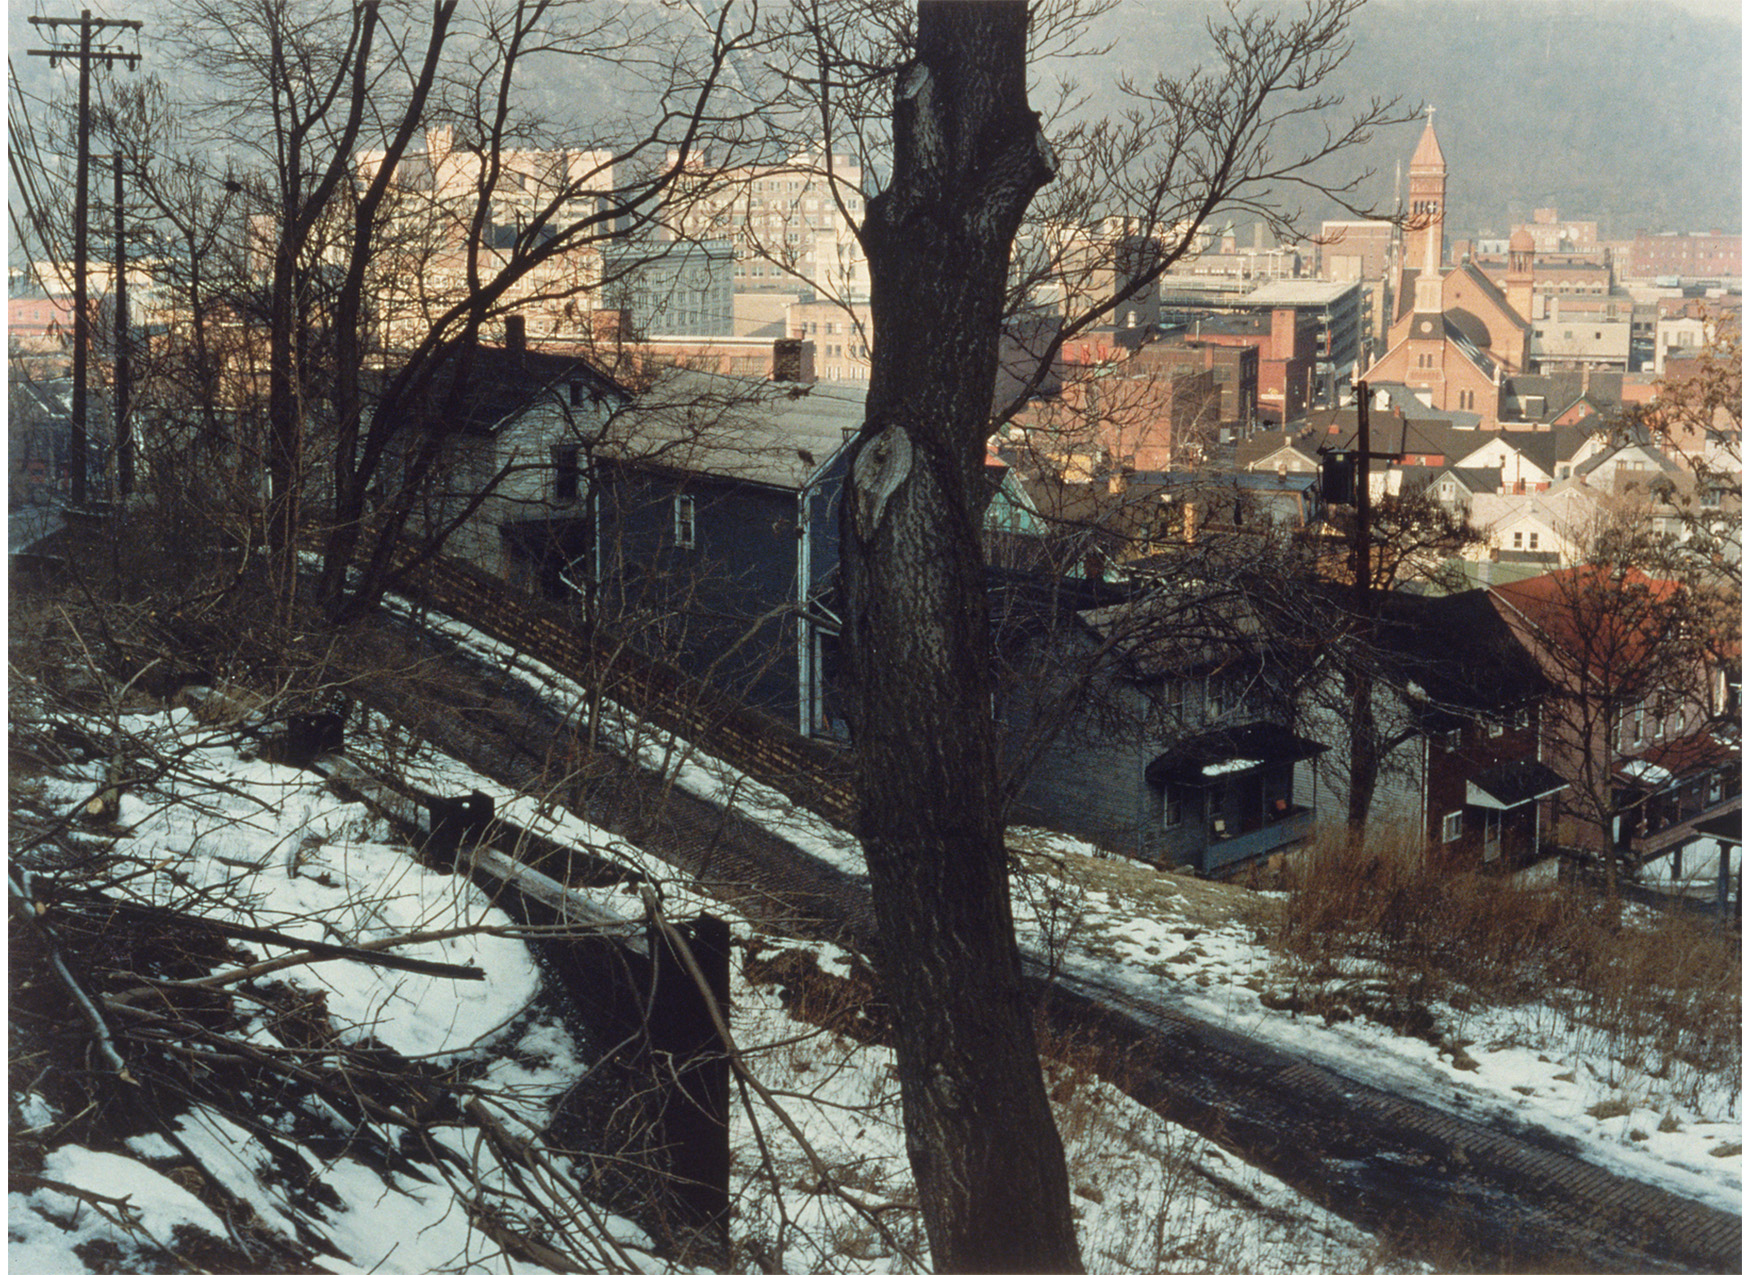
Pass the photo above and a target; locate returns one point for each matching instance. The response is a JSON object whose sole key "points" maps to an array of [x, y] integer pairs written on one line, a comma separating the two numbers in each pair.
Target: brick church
{"points": [[1455, 336]]}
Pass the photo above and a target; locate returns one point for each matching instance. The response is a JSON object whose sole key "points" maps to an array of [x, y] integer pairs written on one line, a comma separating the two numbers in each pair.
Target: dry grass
{"points": [[1663, 989]]}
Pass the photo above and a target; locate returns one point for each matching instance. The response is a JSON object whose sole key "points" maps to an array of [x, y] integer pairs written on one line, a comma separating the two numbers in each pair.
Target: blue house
{"points": [[712, 533]]}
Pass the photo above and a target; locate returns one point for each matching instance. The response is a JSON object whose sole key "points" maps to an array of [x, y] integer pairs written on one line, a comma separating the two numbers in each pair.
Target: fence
{"points": [[811, 773]]}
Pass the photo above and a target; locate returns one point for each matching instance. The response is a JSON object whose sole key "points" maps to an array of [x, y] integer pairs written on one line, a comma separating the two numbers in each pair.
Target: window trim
{"points": [[1451, 827], [686, 522]]}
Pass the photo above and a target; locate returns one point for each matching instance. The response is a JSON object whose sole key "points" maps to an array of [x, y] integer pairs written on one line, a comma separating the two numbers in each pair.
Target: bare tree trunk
{"points": [[968, 157]]}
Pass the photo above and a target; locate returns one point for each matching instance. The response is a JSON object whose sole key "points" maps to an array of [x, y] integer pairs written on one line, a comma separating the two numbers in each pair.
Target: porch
{"points": [[1228, 796]]}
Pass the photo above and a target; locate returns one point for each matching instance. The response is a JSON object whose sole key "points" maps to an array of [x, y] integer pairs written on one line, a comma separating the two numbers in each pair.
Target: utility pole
{"points": [[86, 52], [124, 441]]}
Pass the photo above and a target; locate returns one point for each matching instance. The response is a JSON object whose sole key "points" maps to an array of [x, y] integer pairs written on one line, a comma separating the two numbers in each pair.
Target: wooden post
{"points": [[694, 1115]]}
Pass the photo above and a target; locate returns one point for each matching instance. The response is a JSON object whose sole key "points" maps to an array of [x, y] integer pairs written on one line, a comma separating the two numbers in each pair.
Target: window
{"points": [[1172, 810], [683, 522], [1640, 723], [1452, 740], [1452, 826], [1215, 697], [1521, 718], [577, 394], [1518, 540], [1532, 542], [566, 474], [1495, 729]]}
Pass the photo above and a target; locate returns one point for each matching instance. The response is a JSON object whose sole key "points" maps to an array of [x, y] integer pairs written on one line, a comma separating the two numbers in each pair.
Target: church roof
{"points": [[1490, 289], [1427, 150]]}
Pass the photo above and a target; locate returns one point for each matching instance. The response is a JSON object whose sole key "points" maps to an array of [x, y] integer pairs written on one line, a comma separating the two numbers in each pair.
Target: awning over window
{"points": [[1512, 784], [1206, 760]]}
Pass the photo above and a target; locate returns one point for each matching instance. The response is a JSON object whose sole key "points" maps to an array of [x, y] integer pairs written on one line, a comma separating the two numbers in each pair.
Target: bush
{"points": [[1664, 988]]}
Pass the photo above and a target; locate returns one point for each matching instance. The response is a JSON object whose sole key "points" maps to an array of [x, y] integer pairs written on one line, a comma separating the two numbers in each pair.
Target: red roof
{"points": [[1687, 756], [1574, 609], [1427, 150]]}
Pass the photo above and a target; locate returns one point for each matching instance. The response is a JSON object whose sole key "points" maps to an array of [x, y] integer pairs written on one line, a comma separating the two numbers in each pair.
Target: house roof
{"points": [[1678, 758], [1471, 479], [1260, 448], [1569, 609], [1177, 629], [501, 384], [47, 399], [1601, 458], [1726, 827], [1414, 435], [774, 433], [1454, 655], [1209, 759], [1512, 784], [1428, 149], [1470, 270]]}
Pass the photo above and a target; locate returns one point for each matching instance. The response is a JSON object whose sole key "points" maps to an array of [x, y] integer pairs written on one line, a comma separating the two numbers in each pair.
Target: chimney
{"points": [[515, 334], [787, 359]]}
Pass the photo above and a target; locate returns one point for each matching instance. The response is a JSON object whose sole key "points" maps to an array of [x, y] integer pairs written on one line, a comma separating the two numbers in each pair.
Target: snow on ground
{"points": [[1681, 1131], [269, 846], [264, 845]]}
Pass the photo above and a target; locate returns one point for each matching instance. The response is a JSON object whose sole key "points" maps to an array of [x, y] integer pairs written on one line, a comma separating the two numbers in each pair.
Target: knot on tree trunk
{"points": [[882, 464]]}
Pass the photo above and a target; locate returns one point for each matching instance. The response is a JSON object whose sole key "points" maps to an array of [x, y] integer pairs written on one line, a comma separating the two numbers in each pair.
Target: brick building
{"points": [[1690, 258]]}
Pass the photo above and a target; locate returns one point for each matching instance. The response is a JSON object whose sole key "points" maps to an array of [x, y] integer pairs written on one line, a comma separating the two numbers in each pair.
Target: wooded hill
{"points": [[1626, 113]]}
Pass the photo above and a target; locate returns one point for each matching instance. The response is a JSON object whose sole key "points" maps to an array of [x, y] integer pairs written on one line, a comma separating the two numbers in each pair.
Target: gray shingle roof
{"points": [[767, 432]]}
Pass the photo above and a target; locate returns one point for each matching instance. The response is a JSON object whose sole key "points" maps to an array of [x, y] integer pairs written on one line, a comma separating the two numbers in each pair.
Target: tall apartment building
{"points": [[790, 222], [1363, 253], [840, 336], [425, 268], [671, 289]]}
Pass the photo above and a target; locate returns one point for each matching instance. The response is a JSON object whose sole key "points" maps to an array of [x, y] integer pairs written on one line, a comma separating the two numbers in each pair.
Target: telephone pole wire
{"points": [[90, 48]]}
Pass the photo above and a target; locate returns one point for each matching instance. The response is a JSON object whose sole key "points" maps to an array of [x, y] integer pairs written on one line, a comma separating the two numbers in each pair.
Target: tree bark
{"points": [[968, 157]]}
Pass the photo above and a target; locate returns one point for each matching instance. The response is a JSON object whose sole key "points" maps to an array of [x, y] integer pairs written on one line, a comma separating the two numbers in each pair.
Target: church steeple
{"points": [[1425, 235]]}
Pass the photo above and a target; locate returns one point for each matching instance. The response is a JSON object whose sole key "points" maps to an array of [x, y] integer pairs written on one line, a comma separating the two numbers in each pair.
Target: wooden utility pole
{"points": [[124, 441], [86, 52]]}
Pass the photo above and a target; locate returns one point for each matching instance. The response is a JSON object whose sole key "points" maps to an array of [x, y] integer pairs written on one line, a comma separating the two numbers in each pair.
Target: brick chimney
{"points": [[787, 359], [516, 339]]}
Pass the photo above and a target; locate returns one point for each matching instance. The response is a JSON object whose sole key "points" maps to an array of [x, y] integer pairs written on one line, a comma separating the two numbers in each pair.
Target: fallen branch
{"points": [[273, 938]]}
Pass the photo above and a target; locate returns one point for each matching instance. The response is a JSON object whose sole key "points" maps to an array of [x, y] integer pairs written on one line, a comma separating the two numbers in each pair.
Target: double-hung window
{"points": [[567, 475], [685, 524]]}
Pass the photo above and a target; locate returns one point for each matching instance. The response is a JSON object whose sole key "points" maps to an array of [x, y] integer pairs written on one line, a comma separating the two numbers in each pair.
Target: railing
{"points": [[811, 773], [1296, 825], [1655, 842]]}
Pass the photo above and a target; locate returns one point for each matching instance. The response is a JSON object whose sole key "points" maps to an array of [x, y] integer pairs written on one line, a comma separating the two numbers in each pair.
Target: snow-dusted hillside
{"points": [[234, 838]]}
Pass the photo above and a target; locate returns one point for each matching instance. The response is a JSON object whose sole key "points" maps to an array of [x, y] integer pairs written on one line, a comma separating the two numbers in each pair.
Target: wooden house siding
{"points": [[719, 606]]}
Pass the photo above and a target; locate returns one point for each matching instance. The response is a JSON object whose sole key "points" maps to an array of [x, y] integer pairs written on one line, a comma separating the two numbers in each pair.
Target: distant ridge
{"points": [[1619, 111]]}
